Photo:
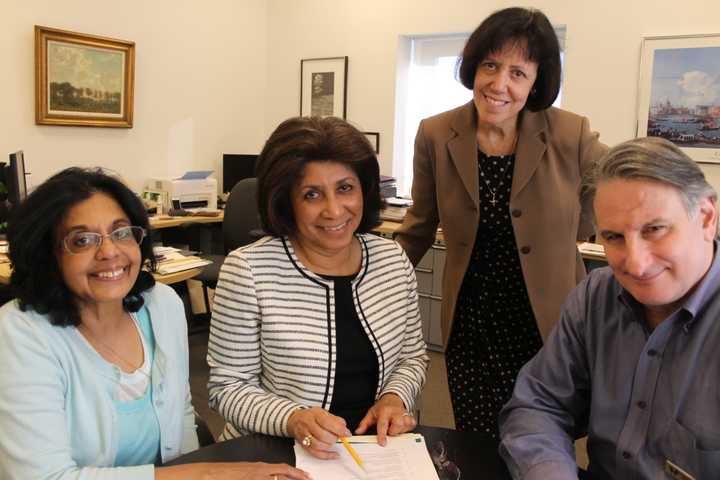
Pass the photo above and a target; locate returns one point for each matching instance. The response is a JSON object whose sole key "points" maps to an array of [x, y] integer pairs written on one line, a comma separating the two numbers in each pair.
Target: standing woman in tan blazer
{"points": [[501, 175]]}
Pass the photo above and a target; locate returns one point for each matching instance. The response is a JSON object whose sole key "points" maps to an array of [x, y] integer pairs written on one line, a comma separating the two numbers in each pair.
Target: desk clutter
{"points": [[173, 260], [4, 245]]}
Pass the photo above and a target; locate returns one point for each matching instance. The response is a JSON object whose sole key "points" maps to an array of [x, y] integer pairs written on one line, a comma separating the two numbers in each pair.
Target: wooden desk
{"points": [[166, 221], [168, 279]]}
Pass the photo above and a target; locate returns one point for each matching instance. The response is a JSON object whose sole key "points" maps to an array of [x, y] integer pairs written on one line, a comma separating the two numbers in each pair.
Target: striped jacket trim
{"points": [[272, 346]]}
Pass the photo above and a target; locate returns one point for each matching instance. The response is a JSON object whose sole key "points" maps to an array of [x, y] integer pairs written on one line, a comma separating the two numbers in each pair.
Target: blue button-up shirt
{"points": [[643, 397]]}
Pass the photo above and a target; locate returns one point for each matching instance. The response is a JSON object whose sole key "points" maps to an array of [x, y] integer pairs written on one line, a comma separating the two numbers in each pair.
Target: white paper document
{"points": [[170, 260], [405, 457]]}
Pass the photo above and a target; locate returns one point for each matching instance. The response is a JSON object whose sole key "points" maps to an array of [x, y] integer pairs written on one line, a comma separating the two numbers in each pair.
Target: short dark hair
{"points": [[521, 26], [36, 280], [299, 141]]}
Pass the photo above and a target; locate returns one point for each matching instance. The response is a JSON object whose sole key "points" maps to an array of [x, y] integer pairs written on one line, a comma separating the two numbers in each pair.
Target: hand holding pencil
{"points": [[317, 430]]}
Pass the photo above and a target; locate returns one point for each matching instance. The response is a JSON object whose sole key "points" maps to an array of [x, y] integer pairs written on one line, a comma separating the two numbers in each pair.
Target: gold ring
{"points": [[307, 441]]}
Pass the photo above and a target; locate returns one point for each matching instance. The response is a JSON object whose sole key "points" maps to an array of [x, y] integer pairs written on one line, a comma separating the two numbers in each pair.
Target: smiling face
{"points": [[99, 275], [657, 252], [327, 205], [503, 82]]}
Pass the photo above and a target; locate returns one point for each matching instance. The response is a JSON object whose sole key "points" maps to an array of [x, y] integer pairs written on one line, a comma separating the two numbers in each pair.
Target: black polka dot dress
{"points": [[494, 331]]}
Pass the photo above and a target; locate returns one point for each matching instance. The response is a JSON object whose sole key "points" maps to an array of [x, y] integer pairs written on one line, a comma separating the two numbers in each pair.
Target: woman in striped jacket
{"points": [[316, 330]]}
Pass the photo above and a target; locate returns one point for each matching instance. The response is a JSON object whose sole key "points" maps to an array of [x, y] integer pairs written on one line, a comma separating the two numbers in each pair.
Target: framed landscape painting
{"points": [[323, 87], [679, 93], [83, 80]]}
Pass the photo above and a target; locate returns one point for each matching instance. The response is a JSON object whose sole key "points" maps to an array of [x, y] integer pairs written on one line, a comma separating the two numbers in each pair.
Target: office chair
{"points": [[241, 226], [205, 436]]}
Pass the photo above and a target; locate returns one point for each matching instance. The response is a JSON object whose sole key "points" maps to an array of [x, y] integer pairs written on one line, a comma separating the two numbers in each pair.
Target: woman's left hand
{"points": [[389, 416]]}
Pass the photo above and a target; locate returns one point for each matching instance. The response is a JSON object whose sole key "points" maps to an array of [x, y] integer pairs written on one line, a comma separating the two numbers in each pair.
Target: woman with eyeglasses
{"points": [[94, 354]]}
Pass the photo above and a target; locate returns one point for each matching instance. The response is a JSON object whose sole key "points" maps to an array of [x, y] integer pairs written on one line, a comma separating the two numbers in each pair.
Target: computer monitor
{"points": [[15, 178], [236, 167]]}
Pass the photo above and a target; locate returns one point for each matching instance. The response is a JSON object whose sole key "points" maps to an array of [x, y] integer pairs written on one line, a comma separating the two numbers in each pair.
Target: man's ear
{"points": [[707, 210]]}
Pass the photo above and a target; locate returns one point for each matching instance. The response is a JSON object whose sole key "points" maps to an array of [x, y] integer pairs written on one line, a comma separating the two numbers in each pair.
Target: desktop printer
{"points": [[198, 193]]}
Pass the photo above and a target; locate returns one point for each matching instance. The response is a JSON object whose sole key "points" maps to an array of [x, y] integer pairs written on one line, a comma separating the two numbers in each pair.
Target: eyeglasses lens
{"points": [[80, 242]]}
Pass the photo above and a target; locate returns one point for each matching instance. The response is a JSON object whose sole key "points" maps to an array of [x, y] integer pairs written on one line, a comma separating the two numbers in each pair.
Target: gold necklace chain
{"points": [[94, 339]]}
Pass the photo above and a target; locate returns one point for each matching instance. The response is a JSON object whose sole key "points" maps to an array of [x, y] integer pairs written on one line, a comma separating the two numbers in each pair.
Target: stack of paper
{"points": [[591, 249], [3, 251], [405, 457], [171, 260], [394, 214]]}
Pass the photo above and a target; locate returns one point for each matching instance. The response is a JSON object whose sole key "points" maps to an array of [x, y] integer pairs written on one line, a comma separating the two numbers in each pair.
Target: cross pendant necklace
{"points": [[493, 193], [501, 175], [492, 200]]}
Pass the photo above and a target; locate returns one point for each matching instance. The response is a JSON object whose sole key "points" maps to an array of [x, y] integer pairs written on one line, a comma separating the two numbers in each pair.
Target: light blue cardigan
{"points": [[57, 417]]}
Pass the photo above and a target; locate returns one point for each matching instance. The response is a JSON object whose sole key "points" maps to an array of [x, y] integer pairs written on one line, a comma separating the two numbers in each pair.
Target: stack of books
{"points": [[395, 209], [388, 186]]}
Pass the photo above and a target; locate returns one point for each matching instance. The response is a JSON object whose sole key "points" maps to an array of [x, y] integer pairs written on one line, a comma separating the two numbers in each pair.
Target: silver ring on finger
{"points": [[307, 441]]}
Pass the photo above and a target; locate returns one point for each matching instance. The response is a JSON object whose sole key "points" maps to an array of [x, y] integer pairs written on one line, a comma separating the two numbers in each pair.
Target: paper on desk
{"points": [[404, 458], [165, 268], [399, 202], [591, 248], [196, 175], [173, 261]]}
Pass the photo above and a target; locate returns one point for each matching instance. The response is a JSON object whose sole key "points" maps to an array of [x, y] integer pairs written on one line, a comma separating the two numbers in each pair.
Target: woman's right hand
{"points": [[321, 427], [231, 471]]}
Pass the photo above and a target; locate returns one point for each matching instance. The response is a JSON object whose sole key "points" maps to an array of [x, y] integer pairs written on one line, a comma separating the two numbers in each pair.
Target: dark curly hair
{"points": [[300, 140], [531, 28], [36, 280]]}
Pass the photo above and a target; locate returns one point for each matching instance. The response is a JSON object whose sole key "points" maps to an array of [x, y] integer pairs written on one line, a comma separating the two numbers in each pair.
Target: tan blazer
{"points": [[554, 149]]}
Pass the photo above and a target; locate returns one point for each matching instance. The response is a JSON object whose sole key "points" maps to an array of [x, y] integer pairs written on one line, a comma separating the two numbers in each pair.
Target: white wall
{"points": [[220, 75], [601, 69], [199, 84]]}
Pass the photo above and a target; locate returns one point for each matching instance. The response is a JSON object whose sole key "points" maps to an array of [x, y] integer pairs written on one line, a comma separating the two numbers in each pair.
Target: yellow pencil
{"points": [[352, 452]]}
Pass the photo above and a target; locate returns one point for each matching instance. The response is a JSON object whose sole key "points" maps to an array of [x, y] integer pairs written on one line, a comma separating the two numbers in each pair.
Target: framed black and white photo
{"points": [[323, 87], [374, 139], [679, 93]]}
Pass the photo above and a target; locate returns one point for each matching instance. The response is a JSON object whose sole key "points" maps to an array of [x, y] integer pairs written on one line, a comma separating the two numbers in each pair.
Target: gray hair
{"points": [[651, 158]]}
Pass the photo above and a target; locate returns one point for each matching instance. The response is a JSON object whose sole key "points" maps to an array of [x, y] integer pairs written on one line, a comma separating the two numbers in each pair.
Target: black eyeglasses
{"points": [[446, 469], [82, 242]]}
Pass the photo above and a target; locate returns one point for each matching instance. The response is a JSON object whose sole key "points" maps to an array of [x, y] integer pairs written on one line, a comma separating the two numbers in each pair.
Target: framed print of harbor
{"points": [[323, 87], [83, 80], [679, 93]]}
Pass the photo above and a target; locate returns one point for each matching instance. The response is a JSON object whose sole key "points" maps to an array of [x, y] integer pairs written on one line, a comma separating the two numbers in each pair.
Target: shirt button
{"points": [[642, 404], [516, 213], [652, 352], [525, 250], [626, 455]]}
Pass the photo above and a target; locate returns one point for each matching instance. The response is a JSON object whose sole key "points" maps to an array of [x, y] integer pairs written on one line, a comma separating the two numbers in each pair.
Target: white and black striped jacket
{"points": [[272, 345]]}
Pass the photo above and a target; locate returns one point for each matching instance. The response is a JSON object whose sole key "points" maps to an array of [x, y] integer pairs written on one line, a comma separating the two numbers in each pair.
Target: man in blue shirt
{"points": [[634, 361]]}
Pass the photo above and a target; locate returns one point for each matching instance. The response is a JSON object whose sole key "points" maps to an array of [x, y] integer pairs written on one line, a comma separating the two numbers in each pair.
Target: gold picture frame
{"points": [[83, 80]]}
